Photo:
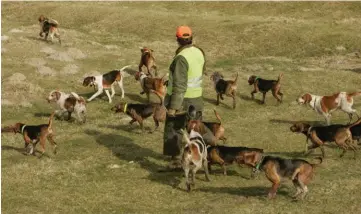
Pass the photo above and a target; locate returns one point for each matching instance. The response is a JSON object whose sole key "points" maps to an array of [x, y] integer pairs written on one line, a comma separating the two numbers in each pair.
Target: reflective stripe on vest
{"points": [[195, 60]]}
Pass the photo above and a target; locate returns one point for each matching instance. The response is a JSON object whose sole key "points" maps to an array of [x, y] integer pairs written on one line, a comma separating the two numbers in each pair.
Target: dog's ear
{"points": [[41, 18], [57, 95], [192, 112], [151, 50]]}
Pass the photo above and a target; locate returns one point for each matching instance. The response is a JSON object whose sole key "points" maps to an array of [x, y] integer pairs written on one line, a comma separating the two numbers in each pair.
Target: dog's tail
{"points": [[122, 69], [316, 164], [51, 120], [235, 80], [78, 98], [75, 95], [158, 95], [354, 124], [354, 94], [217, 116], [279, 78]]}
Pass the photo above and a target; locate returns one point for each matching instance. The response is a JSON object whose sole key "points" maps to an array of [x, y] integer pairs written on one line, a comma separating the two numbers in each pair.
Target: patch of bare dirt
{"points": [[70, 69], [36, 62], [45, 71], [15, 30], [76, 53], [48, 50], [18, 92], [109, 47], [61, 56], [4, 38]]}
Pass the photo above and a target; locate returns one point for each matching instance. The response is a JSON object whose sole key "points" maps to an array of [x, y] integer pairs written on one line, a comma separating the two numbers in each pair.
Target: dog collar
{"points": [[125, 107], [256, 79], [22, 129], [259, 163]]}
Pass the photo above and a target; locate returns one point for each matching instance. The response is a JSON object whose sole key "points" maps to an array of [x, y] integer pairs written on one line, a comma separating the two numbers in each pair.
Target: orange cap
{"points": [[184, 32]]}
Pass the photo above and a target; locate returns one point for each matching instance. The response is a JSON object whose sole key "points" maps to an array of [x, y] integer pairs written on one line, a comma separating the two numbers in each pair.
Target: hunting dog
{"points": [[33, 134], [199, 126], [68, 103], [276, 168], [151, 83], [224, 155], [194, 157], [139, 112], [106, 81], [49, 27], [325, 105], [263, 86], [227, 87], [147, 59], [319, 135]]}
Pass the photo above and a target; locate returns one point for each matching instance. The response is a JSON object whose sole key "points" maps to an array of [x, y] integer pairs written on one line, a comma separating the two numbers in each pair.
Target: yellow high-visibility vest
{"points": [[195, 60]]}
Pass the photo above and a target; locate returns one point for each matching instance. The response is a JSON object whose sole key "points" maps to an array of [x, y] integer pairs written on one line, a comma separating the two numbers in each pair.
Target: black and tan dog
{"points": [[33, 134], [319, 135], [139, 112], [263, 86], [147, 59], [49, 27], [200, 126], [227, 87], [276, 168], [224, 155]]}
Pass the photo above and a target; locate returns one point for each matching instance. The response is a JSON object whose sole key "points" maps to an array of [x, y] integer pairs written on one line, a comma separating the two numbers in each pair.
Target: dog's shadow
{"points": [[221, 102], [251, 191], [291, 122], [124, 147], [248, 98], [127, 127], [22, 151], [356, 70]]}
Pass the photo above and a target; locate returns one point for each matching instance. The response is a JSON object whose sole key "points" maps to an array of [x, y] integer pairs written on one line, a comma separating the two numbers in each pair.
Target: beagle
{"points": [[49, 27], [104, 82], [325, 105], [69, 103]]}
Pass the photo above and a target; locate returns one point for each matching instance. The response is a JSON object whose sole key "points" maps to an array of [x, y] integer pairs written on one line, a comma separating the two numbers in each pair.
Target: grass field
{"points": [[106, 166]]}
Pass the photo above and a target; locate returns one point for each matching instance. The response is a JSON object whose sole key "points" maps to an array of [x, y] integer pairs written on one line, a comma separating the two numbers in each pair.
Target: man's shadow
{"points": [[125, 149]]}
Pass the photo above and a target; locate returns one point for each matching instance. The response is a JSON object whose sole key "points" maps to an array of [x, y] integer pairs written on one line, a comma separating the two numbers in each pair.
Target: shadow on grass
{"points": [[125, 149], [22, 151], [291, 122], [356, 70], [252, 191], [249, 98], [127, 127], [11, 148], [221, 102]]}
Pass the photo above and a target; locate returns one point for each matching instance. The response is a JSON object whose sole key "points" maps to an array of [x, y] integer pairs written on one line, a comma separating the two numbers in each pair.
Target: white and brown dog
{"points": [[325, 105], [106, 81], [49, 27], [68, 103], [194, 156]]}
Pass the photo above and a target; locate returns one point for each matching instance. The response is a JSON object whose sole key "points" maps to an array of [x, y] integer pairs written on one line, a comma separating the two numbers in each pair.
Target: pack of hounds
{"points": [[197, 154]]}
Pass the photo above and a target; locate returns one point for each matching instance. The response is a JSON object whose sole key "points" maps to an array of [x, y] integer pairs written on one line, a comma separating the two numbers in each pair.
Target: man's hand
{"points": [[171, 112]]}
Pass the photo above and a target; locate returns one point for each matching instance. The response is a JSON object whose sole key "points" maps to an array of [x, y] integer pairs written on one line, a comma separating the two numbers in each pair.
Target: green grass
{"points": [[299, 39]]}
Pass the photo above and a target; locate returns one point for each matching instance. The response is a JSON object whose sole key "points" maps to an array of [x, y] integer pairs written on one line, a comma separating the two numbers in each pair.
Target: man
{"points": [[184, 89]]}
